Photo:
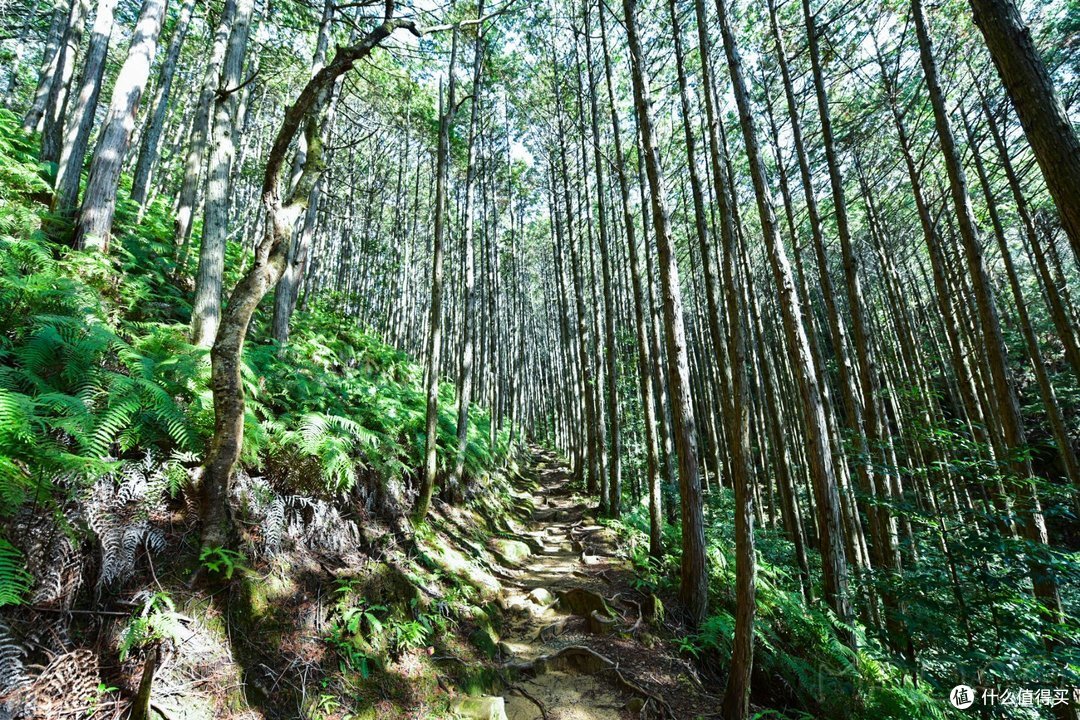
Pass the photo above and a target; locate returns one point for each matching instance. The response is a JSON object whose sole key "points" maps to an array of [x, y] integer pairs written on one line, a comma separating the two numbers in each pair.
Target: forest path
{"points": [[575, 627]]}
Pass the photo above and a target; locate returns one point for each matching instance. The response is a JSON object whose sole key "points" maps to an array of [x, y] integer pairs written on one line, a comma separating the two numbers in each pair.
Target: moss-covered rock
{"points": [[480, 708], [511, 551]]}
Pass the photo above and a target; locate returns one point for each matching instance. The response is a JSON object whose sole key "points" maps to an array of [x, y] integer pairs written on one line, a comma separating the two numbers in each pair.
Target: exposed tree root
{"points": [[586, 661], [528, 696]]}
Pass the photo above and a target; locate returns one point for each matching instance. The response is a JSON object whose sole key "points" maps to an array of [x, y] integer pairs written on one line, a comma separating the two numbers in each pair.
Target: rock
{"points": [[484, 640], [480, 708], [541, 597], [635, 705], [512, 551]]}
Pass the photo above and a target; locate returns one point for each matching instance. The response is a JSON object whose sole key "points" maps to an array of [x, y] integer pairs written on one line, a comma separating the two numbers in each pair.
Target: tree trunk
{"points": [[50, 58], [644, 356], [468, 331], [52, 129], [267, 266], [1004, 393], [614, 500], [206, 308], [151, 137], [435, 319], [81, 121], [1047, 125], [96, 216], [200, 130], [693, 589], [818, 451]]}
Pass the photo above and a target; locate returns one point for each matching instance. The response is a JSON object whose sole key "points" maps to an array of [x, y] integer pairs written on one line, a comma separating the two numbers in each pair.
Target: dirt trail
{"points": [[577, 629]]}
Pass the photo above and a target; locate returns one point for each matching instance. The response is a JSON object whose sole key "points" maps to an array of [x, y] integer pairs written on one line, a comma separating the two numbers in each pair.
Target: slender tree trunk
{"points": [[200, 131], [288, 288], [1038, 366], [151, 137], [81, 121], [1007, 403], [1047, 125], [206, 308], [614, 468], [50, 59], [52, 130], [644, 356], [435, 324], [468, 330], [96, 216], [693, 589], [818, 451]]}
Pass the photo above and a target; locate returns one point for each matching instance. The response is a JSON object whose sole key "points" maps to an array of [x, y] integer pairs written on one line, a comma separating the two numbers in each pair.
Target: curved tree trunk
{"points": [[269, 261]]}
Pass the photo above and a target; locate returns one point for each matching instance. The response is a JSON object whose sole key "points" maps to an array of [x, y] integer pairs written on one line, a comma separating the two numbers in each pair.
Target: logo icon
{"points": [[962, 697]]}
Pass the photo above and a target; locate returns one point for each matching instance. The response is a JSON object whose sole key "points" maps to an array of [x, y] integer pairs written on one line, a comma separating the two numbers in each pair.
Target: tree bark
{"points": [[206, 308], [151, 137], [644, 356], [693, 588], [1047, 125], [818, 451], [435, 314], [99, 205], [1004, 392], [267, 266], [50, 57], [81, 121], [200, 129], [468, 331]]}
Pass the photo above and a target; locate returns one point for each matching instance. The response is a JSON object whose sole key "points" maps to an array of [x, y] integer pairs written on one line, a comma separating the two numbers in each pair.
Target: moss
{"points": [[510, 551], [486, 641]]}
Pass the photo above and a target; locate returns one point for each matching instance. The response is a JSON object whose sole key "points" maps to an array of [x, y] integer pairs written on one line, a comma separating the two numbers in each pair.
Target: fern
{"points": [[156, 621], [12, 670], [14, 579]]}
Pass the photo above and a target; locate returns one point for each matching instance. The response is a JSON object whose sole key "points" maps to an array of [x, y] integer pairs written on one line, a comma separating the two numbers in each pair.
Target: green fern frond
{"points": [[15, 580]]}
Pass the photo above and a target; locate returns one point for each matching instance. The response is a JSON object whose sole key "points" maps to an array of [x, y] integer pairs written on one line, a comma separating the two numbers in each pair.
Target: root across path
{"points": [[575, 642]]}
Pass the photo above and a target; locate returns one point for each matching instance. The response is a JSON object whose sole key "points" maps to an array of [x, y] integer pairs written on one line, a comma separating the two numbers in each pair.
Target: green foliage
{"points": [[219, 560], [797, 644], [14, 579], [156, 621], [95, 363]]}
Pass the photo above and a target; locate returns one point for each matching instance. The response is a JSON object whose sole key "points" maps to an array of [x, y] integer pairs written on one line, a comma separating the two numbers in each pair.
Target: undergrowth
{"points": [[105, 411]]}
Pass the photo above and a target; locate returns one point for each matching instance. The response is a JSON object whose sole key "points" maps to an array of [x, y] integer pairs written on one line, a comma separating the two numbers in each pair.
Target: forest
{"points": [[539, 360]]}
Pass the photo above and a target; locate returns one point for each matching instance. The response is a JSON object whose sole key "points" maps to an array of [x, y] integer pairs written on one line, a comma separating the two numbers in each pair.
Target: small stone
{"points": [[541, 596], [635, 705], [480, 708]]}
